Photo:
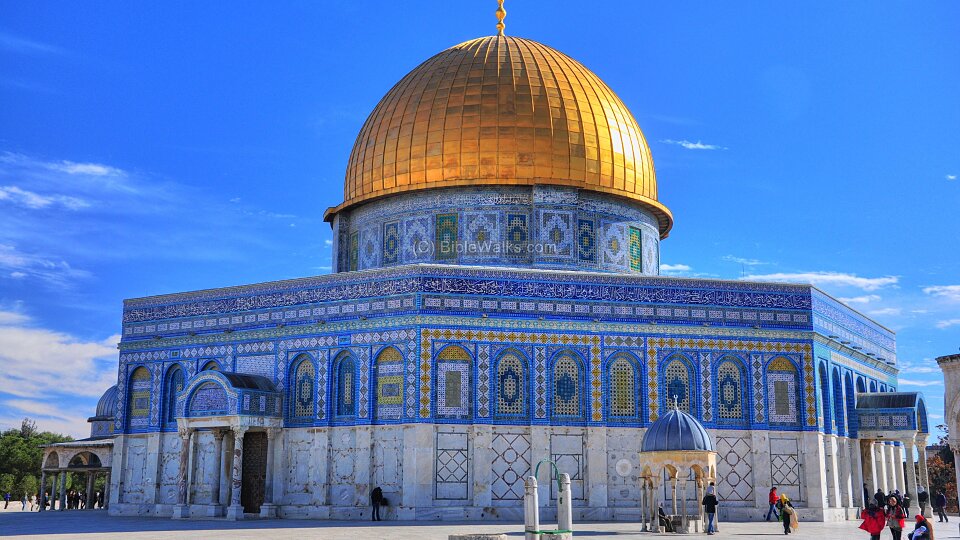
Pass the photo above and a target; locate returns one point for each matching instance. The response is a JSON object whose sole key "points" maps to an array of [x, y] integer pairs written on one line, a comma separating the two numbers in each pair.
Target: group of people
{"points": [[781, 508], [891, 511], [709, 503]]}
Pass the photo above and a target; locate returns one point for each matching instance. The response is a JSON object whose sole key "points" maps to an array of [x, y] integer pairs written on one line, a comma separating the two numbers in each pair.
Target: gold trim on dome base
{"points": [[501, 110]]}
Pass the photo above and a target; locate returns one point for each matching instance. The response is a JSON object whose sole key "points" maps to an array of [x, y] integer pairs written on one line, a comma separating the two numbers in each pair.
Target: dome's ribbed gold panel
{"points": [[501, 110]]}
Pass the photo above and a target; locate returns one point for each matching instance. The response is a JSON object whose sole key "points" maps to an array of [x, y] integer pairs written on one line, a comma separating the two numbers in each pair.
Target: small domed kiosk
{"points": [[676, 451]]}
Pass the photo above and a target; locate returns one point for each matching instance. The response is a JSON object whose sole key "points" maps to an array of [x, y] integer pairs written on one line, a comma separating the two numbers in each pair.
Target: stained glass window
{"points": [[623, 388], [303, 389], [677, 382], [389, 373], [345, 371], [139, 398], [173, 386], [566, 386], [783, 391], [510, 385], [730, 390]]}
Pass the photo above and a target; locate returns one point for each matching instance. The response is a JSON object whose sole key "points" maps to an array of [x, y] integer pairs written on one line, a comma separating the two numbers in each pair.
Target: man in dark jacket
{"points": [[880, 498], [922, 499], [710, 503], [939, 504], [376, 499]]}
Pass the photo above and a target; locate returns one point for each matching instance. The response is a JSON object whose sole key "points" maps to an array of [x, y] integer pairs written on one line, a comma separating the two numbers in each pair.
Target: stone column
{"points": [[846, 474], [880, 456], [891, 466], [63, 490], [268, 509], [235, 510], [43, 489], [215, 509], [911, 470], [106, 490], [181, 510], [88, 503], [898, 466], [830, 447], [922, 465], [857, 473], [869, 468]]}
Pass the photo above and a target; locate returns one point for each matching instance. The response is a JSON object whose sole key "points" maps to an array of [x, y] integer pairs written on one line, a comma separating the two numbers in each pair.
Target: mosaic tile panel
{"points": [[596, 380], [636, 249], [676, 382], [446, 237], [706, 392], [586, 241], [261, 364], [453, 382], [540, 380], [322, 359], [364, 380], [389, 384], [345, 369], [566, 387], [623, 381], [730, 392], [174, 385], [518, 235], [511, 385], [139, 401], [782, 386], [555, 229], [391, 242], [483, 381], [759, 411], [304, 389], [208, 400]]}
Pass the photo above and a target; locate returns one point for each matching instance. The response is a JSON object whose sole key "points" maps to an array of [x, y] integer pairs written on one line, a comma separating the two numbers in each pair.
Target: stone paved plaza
{"points": [[97, 525]]}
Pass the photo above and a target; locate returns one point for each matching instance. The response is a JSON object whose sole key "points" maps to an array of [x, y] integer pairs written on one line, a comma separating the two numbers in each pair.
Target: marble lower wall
{"points": [[432, 472]]}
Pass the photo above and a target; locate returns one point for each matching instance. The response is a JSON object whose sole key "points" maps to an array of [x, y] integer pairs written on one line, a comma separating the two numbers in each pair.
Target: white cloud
{"points": [[741, 260], [42, 362], [51, 270], [693, 145], [885, 311], [56, 419], [948, 323], [86, 169], [674, 268], [951, 177], [950, 292], [29, 199], [827, 278], [912, 382], [18, 44], [328, 243], [235, 200], [865, 299]]}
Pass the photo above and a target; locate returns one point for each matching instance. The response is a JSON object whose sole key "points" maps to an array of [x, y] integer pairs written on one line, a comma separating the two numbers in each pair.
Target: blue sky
{"points": [[155, 148]]}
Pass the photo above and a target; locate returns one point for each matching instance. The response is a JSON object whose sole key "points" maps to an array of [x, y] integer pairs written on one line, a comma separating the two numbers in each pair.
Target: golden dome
{"points": [[501, 111]]}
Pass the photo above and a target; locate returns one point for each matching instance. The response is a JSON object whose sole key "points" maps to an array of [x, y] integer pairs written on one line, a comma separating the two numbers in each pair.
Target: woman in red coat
{"points": [[873, 521]]}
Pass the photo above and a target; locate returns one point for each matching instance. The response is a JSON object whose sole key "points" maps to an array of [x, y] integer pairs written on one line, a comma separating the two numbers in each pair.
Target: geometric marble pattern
{"points": [[734, 469], [452, 466], [511, 464]]}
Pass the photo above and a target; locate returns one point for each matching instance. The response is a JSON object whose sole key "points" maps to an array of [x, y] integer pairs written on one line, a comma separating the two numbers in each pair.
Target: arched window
{"points": [[730, 390], [511, 385], [138, 400], [345, 385], [838, 413], [676, 381], [873, 386], [303, 393], [623, 388], [211, 366], [566, 387], [851, 405], [825, 399], [783, 391], [389, 373], [171, 388], [861, 386], [453, 383]]}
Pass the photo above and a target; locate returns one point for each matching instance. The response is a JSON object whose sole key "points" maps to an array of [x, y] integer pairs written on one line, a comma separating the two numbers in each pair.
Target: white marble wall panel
{"points": [[134, 473], [623, 462], [452, 466], [169, 468], [511, 464]]}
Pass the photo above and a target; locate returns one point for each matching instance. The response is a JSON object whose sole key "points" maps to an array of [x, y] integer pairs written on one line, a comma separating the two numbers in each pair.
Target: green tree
{"points": [[21, 452], [28, 485], [7, 481]]}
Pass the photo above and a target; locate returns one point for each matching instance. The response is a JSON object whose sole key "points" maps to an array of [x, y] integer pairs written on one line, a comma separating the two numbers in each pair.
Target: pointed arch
{"points": [[623, 400], [731, 390], [873, 387], [566, 376], [302, 391], [138, 399], [452, 391], [851, 402], [173, 384], [388, 371], [345, 385], [839, 415], [511, 385], [676, 382], [861, 385], [825, 399], [211, 365], [783, 392]]}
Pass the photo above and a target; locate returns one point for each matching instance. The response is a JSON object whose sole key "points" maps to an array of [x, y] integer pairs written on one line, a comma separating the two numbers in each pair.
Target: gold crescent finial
{"points": [[501, 15]]}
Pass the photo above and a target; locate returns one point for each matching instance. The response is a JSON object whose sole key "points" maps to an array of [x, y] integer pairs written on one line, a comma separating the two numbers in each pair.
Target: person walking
{"points": [[923, 530], [773, 499], [23, 502], [922, 499], [895, 517], [710, 503], [33, 502], [788, 514], [874, 521], [376, 499], [6, 500], [906, 502], [940, 505]]}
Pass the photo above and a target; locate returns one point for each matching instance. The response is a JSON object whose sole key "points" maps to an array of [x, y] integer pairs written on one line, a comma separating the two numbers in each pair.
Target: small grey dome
{"points": [[107, 406], [676, 430]]}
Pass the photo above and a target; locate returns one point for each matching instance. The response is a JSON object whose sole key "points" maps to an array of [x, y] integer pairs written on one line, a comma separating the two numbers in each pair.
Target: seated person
{"points": [[664, 520]]}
